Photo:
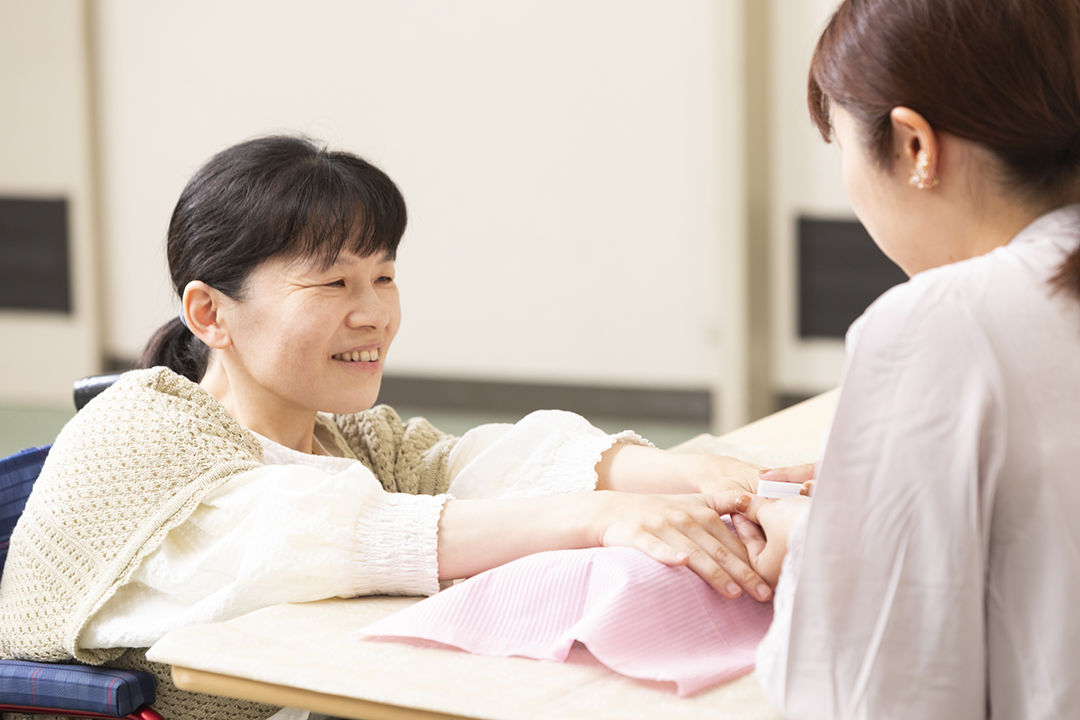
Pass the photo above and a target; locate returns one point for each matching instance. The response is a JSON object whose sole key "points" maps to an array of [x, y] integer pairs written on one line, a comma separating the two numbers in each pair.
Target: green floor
{"points": [[27, 427]]}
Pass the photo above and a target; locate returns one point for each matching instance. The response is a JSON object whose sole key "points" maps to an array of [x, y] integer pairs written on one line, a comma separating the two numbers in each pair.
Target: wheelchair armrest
{"points": [[78, 689], [89, 388]]}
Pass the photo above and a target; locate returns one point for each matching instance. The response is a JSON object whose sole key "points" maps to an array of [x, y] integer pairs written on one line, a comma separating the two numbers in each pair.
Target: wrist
{"points": [[701, 473], [705, 473], [589, 518]]}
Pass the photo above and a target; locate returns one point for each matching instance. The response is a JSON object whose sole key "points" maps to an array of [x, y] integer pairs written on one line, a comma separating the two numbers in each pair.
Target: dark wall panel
{"points": [[35, 271], [841, 271], [692, 406]]}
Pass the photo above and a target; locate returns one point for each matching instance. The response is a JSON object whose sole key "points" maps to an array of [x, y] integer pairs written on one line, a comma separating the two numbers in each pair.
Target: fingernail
{"points": [[763, 591], [733, 590], [742, 503]]}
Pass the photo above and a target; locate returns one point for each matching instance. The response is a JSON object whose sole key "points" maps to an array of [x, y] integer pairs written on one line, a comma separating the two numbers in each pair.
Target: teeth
{"points": [[361, 356]]}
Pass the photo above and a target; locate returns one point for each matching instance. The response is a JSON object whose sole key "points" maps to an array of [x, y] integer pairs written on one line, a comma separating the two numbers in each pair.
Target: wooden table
{"points": [[308, 655]]}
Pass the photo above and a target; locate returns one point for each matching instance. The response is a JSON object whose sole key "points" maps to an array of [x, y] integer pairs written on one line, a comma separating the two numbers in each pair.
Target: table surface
{"points": [[308, 655]]}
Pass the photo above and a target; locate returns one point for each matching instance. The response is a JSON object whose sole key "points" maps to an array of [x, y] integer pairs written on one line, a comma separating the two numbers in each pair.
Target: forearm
{"points": [[684, 529], [476, 535]]}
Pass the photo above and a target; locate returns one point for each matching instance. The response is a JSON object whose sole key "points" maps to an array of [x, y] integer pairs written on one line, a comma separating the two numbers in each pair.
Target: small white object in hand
{"points": [[776, 490]]}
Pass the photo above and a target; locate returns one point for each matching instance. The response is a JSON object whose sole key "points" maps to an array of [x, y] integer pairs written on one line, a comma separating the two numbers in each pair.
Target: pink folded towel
{"points": [[637, 616]]}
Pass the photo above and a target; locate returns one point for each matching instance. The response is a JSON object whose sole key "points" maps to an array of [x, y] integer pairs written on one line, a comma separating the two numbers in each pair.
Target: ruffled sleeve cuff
{"points": [[574, 465], [396, 545], [548, 452]]}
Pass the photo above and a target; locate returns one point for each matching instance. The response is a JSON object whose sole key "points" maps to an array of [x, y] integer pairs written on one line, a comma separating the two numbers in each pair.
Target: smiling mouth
{"points": [[362, 356]]}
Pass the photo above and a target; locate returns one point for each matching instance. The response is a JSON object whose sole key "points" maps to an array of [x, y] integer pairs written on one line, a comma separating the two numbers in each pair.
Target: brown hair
{"points": [[1001, 73]]}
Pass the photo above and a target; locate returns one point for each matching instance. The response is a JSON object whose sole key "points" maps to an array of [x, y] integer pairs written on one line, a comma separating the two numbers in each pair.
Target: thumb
{"points": [[751, 535], [750, 505]]}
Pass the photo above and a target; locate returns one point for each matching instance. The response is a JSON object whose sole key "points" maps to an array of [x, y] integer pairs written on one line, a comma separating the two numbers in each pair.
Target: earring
{"points": [[921, 178]]}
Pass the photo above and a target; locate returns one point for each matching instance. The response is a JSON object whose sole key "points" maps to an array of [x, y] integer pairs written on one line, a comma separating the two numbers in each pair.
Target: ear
{"points": [[912, 136], [202, 309]]}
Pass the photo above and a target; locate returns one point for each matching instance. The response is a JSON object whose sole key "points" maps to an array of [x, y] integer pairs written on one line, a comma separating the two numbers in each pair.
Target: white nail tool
{"points": [[776, 490]]}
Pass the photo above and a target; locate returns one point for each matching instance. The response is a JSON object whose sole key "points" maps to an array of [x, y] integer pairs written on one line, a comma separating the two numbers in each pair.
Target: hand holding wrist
{"points": [[684, 529]]}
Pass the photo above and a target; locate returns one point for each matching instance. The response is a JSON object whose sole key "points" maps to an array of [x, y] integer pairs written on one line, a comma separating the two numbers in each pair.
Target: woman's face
{"points": [[310, 339], [876, 194]]}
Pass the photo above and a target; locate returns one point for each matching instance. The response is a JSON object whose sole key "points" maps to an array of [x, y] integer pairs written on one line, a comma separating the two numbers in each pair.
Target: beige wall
{"points": [[575, 170], [572, 168], [805, 180], [45, 152]]}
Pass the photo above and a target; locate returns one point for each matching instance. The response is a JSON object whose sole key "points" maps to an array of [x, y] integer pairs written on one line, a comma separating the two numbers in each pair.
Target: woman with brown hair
{"points": [[937, 573], [246, 466]]}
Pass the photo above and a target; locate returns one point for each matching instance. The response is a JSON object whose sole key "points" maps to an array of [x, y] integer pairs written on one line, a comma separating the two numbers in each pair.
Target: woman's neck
{"points": [[974, 216], [259, 412]]}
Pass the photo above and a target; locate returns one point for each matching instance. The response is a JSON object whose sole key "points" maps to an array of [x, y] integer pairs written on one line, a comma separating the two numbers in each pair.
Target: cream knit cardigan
{"points": [[133, 465]]}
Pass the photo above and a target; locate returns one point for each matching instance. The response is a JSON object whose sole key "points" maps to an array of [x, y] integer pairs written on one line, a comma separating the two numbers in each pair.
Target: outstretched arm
{"points": [[475, 535]]}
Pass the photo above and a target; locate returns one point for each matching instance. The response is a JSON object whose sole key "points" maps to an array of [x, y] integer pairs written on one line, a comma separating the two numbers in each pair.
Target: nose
{"points": [[368, 309]]}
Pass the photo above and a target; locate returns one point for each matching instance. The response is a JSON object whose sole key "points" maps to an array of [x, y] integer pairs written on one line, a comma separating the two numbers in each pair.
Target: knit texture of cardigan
{"points": [[133, 465]]}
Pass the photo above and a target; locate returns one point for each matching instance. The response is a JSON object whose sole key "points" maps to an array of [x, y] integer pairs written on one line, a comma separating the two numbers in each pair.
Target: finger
{"points": [[706, 566], [751, 535], [703, 526], [719, 557], [715, 528], [723, 502], [750, 505], [795, 473], [658, 550]]}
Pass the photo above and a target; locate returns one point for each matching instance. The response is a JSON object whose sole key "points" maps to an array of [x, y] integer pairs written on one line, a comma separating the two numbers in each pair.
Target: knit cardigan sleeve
{"points": [[406, 456], [130, 467]]}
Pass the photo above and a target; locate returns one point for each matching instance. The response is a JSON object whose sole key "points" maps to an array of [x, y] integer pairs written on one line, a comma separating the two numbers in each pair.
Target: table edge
{"points": [[233, 686]]}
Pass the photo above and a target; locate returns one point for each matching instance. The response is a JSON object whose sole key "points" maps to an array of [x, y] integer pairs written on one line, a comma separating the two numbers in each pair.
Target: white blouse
{"points": [[937, 575], [307, 527]]}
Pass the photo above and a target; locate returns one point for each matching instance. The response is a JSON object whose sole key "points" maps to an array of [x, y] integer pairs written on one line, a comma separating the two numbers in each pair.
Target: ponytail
{"points": [[175, 347]]}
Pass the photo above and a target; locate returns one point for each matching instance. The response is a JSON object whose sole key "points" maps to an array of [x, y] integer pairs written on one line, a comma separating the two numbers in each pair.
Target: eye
{"points": [[336, 283], [384, 280]]}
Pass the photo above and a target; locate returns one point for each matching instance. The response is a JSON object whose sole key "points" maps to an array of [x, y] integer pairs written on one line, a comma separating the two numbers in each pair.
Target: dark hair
{"points": [[1002, 73], [266, 198]]}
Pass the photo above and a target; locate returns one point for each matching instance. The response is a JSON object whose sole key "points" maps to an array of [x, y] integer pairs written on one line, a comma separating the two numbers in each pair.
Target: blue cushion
{"points": [[75, 687], [17, 475], [78, 688]]}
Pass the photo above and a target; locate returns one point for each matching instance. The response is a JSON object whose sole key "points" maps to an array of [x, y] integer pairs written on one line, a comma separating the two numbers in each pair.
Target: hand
{"points": [[636, 469], [722, 474], [796, 473], [681, 530], [764, 526]]}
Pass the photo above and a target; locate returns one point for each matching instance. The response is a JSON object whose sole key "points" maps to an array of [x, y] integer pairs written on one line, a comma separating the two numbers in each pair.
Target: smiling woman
{"points": [[333, 326], [251, 468]]}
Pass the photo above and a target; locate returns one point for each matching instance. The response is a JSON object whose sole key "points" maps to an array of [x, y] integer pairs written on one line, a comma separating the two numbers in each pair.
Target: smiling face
{"points": [[305, 339]]}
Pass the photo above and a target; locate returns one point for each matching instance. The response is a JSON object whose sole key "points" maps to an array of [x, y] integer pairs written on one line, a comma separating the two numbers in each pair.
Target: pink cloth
{"points": [[637, 616]]}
